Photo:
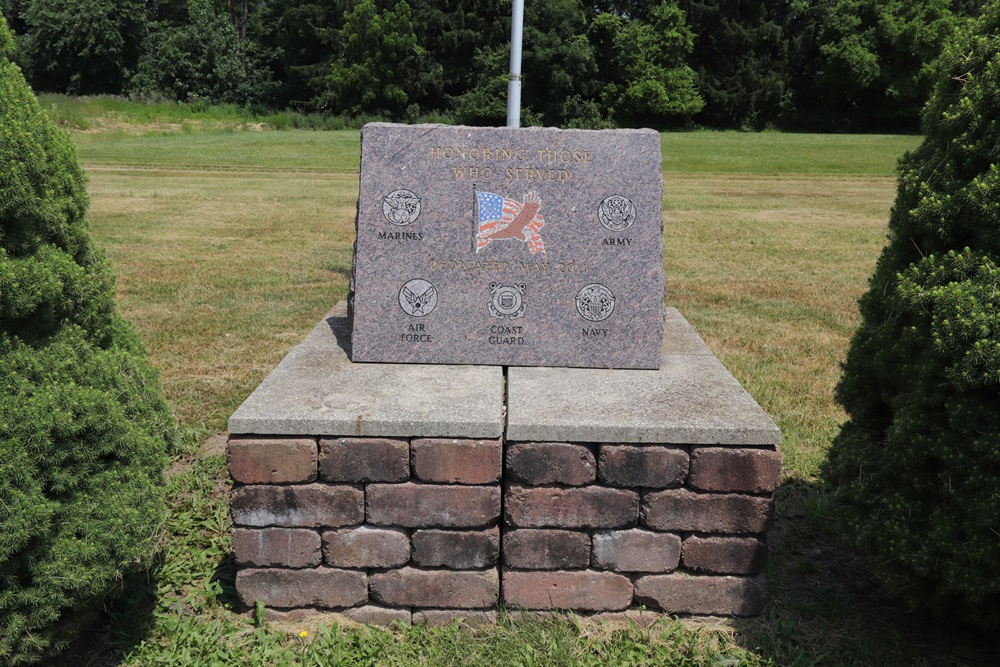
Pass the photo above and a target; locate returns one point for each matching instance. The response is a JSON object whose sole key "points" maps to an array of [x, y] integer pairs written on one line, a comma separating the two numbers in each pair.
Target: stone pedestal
{"points": [[423, 493]]}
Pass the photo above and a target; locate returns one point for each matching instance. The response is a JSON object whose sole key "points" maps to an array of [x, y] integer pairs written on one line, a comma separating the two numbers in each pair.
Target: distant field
{"points": [[300, 151], [773, 153], [683, 152], [229, 245]]}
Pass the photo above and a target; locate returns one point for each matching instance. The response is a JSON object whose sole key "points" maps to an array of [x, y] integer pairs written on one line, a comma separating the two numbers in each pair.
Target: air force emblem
{"points": [[417, 297]]}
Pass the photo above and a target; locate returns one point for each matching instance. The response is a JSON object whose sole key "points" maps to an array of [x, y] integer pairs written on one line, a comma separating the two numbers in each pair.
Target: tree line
{"points": [[821, 65]]}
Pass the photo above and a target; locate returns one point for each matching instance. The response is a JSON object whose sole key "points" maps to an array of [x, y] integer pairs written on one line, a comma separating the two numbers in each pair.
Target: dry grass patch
{"points": [[768, 269], [223, 272]]}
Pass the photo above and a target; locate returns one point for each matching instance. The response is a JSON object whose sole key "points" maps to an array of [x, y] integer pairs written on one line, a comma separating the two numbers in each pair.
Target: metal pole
{"points": [[514, 79]]}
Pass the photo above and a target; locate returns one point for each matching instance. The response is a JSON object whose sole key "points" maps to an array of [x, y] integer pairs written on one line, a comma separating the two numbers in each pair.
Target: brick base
{"points": [[388, 530]]}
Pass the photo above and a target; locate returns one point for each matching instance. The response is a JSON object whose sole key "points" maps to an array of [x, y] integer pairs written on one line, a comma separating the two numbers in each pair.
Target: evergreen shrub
{"points": [[84, 430], [916, 468]]}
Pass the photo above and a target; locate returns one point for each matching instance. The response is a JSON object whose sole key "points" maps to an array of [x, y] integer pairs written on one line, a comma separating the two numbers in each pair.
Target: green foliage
{"points": [[878, 58], [840, 65], [6, 40], [302, 35], [84, 46], [916, 469], [451, 33], [379, 65], [591, 71], [659, 88], [83, 427], [750, 87], [200, 59]]}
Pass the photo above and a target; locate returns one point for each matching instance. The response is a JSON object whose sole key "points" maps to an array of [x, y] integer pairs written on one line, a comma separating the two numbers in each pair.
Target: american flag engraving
{"points": [[504, 218]]}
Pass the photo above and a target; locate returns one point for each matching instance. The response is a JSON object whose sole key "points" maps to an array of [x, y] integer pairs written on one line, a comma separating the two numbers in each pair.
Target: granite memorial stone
{"points": [[498, 246]]}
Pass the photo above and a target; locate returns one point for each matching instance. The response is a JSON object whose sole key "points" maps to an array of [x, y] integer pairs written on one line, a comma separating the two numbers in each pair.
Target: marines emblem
{"points": [[595, 302], [616, 213], [506, 301], [503, 218], [401, 207], [417, 297]]}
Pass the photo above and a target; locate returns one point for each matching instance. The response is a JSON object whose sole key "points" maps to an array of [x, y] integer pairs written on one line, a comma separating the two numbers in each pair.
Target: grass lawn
{"points": [[230, 244]]}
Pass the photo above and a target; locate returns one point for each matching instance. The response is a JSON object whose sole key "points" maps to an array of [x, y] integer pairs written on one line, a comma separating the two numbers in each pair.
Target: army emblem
{"points": [[595, 302], [417, 297], [506, 301], [401, 207], [616, 213]]}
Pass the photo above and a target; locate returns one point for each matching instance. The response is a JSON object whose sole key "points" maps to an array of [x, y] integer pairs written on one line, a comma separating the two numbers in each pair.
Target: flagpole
{"points": [[514, 79]]}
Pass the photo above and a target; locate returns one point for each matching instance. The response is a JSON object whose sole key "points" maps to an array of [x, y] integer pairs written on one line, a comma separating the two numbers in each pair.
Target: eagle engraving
{"points": [[504, 218]]}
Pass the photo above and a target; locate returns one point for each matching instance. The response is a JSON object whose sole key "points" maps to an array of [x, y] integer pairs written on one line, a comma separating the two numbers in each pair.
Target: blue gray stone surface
{"points": [[317, 390], [691, 399]]}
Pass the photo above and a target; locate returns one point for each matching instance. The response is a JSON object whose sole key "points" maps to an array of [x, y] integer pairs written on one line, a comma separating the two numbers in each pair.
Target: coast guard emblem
{"points": [[506, 301]]}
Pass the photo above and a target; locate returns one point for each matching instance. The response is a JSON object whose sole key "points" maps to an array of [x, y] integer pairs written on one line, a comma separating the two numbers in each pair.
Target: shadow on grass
{"points": [[225, 576], [826, 608], [343, 270], [124, 621]]}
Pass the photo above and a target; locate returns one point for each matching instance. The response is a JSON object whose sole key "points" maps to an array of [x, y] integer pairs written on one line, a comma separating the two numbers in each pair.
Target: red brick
{"points": [[456, 461], [541, 463], [358, 460], [286, 615], [650, 466], [529, 549], [684, 594], [456, 549], [743, 469], [374, 615], [636, 551], [366, 547], [321, 587], [724, 555], [444, 589], [469, 618], [583, 591], [276, 547], [273, 460], [588, 507], [682, 510], [305, 506], [432, 505]]}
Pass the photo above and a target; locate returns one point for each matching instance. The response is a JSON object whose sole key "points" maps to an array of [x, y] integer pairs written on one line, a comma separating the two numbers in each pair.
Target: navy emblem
{"points": [[595, 302], [401, 207], [616, 213], [417, 297], [507, 301]]}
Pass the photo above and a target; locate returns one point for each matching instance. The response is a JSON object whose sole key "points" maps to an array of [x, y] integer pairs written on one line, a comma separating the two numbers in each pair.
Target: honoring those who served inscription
{"points": [[515, 247]]}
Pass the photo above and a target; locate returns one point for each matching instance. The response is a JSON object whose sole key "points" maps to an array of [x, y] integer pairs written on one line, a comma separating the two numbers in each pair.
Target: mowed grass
{"points": [[769, 269], [229, 246], [223, 272]]}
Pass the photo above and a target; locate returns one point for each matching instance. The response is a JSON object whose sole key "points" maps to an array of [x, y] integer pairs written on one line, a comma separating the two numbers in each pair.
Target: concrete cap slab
{"points": [[316, 390], [691, 399]]}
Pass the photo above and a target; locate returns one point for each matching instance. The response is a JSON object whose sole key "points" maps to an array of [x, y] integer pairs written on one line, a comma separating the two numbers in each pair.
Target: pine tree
{"points": [[84, 430], [916, 468]]}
